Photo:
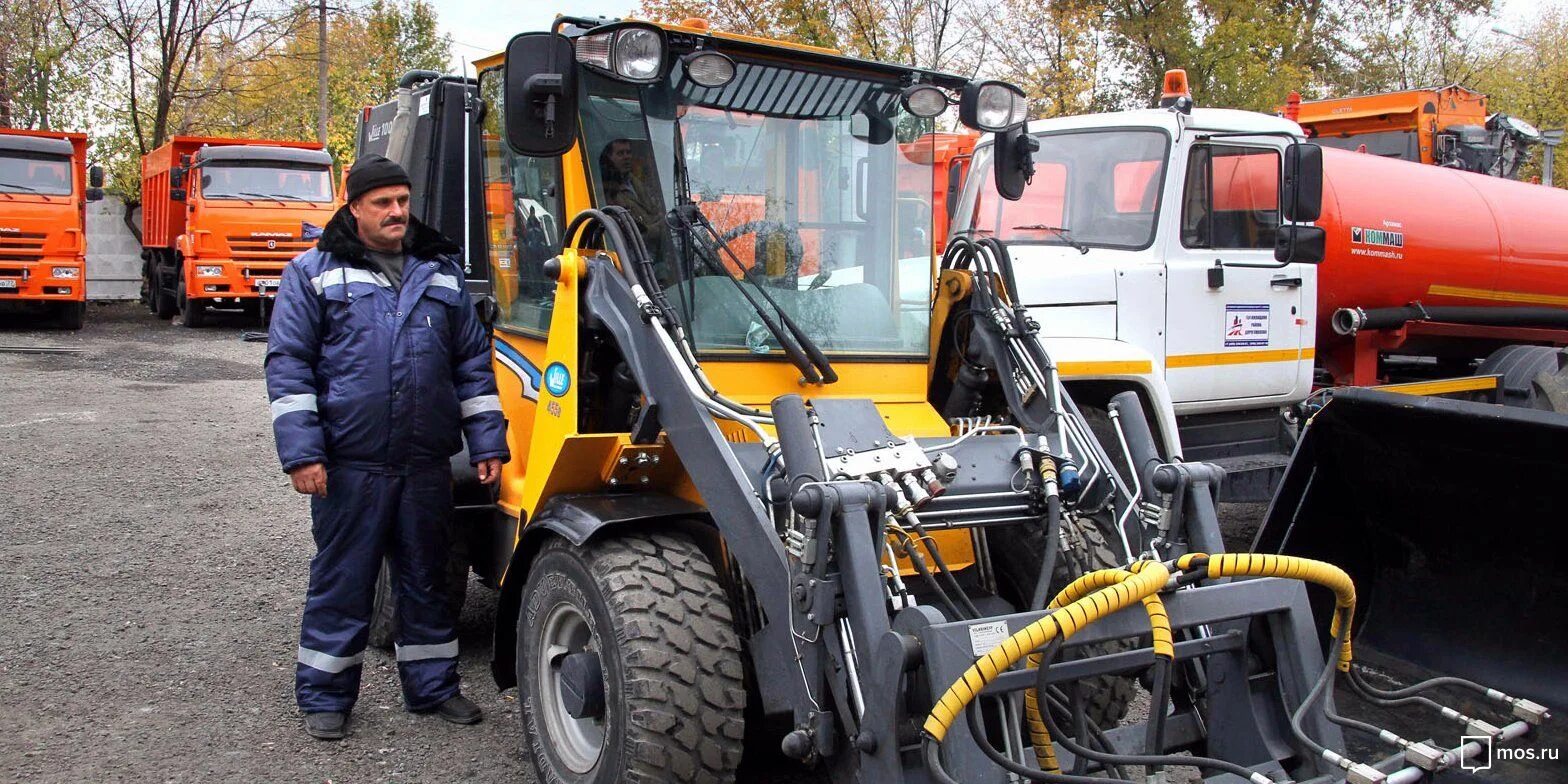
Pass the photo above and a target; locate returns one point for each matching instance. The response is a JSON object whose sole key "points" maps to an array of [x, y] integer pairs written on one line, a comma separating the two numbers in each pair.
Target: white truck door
{"points": [[1242, 338]]}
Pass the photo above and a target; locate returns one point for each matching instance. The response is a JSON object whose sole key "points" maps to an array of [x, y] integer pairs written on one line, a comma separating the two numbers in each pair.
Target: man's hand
{"points": [[310, 479], [489, 471]]}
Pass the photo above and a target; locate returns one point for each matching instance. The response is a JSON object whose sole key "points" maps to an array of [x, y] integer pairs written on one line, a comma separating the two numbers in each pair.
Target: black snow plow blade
{"points": [[1449, 516]]}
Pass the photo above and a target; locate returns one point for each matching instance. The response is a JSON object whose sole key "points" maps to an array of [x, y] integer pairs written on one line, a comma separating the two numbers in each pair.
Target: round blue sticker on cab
{"points": [[557, 379]]}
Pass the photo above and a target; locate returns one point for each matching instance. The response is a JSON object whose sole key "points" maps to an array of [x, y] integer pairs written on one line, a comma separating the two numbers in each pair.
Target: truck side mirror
{"points": [[540, 95], [1301, 197], [95, 194], [1299, 244], [177, 177], [1014, 158], [95, 176]]}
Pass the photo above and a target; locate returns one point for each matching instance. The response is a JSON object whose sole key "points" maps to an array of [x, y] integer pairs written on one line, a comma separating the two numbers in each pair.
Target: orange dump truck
{"points": [[220, 218], [43, 207], [1448, 126]]}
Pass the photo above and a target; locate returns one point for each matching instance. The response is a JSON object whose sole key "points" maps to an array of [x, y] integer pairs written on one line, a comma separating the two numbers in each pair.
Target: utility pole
{"points": [[321, 71]]}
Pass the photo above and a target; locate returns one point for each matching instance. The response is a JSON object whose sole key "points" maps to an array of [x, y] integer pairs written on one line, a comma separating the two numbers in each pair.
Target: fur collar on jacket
{"points": [[340, 237]]}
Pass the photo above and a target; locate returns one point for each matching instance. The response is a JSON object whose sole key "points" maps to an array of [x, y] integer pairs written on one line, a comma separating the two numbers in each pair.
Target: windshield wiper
{"points": [[28, 188], [281, 203], [1065, 234], [688, 216]]}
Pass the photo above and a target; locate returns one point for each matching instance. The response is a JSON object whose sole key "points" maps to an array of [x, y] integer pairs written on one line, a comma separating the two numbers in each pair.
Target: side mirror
{"points": [[177, 177], [1301, 196], [486, 309], [1014, 159], [540, 95], [176, 194], [95, 176], [95, 194], [1300, 244]]}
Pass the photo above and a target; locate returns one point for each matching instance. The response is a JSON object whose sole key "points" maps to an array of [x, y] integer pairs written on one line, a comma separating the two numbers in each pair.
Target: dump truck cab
{"points": [[220, 218], [44, 190]]}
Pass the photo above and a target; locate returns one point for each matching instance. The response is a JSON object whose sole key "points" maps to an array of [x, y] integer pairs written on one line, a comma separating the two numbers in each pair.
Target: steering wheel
{"points": [[794, 246]]}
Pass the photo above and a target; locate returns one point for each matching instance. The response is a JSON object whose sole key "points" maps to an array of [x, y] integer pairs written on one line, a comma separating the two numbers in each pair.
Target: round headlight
{"points": [[709, 69], [998, 107], [638, 53], [924, 100]]}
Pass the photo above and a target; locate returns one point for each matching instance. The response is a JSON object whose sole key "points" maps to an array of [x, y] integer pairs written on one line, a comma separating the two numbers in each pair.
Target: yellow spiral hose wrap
{"points": [[1291, 568], [1063, 623], [1163, 643]]}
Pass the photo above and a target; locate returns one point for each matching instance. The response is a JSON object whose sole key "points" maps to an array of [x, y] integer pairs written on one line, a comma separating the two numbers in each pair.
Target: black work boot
{"points": [[459, 710], [327, 725]]}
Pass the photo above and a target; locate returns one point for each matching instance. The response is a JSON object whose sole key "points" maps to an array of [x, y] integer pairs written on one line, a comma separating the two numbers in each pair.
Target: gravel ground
{"points": [[153, 562]]}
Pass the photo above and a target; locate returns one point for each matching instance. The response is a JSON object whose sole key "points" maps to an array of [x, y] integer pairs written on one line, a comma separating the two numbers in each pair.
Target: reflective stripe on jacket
{"points": [[362, 375]]}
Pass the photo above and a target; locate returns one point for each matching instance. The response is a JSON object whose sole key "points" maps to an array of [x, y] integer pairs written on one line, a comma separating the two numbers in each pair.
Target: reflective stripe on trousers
{"points": [[366, 516]]}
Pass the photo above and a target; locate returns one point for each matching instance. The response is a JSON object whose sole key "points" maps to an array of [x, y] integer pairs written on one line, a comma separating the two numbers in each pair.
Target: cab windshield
{"points": [[1090, 188], [45, 175], [820, 185], [271, 180]]}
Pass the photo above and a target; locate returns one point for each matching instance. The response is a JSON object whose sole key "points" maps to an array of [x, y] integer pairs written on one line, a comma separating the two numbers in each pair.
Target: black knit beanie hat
{"points": [[372, 172]]}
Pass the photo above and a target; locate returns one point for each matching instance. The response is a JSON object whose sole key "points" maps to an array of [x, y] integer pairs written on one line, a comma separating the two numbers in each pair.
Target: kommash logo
{"points": [[1388, 239]]}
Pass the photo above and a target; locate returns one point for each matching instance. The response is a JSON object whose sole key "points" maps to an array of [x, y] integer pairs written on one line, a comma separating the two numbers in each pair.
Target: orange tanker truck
{"points": [[221, 217], [44, 191]]}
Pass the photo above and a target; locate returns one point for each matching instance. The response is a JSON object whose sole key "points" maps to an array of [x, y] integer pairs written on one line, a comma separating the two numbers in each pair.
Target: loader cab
{"points": [[816, 173]]}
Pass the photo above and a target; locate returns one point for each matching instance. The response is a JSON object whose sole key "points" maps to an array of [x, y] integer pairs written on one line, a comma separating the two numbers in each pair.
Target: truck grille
{"points": [[21, 246], [248, 248]]}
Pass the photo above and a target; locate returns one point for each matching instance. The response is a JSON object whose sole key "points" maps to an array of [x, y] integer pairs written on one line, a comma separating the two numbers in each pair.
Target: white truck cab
{"points": [[1146, 239]]}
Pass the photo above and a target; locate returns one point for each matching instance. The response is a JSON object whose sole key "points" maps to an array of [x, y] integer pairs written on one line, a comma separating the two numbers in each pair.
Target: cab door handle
{"points": [[1294, 283]]}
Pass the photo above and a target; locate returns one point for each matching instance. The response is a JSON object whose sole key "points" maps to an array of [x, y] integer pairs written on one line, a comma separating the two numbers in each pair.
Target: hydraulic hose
{"points": [[1349, 321], [1162, 642], [1290, 568], [941, 567], [1142, 453], [1062, 624]]}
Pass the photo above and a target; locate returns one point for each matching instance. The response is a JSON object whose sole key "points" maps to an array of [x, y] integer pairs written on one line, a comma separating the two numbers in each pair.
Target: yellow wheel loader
{"points": [[790, 490]]}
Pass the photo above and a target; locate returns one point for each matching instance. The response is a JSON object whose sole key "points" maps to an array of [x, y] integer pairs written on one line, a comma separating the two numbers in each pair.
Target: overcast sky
{"points": [[482, 27]]}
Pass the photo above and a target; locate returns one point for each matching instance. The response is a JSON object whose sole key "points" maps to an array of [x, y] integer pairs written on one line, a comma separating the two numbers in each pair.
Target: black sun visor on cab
{"points": [[253, 153], [35, 145]]}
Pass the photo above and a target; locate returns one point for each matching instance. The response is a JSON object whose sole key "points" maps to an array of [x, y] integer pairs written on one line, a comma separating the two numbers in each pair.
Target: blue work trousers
{"points": [[367, 515]]}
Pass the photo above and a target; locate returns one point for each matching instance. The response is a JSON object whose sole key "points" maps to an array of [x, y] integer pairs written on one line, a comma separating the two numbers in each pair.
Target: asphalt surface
{"points": [[153, 562]]}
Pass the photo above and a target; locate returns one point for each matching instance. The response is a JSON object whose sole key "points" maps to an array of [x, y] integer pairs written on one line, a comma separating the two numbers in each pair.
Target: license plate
{"points": [[7, 284], [268, 283]]}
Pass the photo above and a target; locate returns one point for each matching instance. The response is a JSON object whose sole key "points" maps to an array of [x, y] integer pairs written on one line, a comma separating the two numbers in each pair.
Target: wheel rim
{"points": [[578, 742]]}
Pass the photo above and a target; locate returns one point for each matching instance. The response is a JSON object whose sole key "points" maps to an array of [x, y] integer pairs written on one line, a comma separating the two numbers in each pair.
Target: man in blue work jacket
{"points": [[376, 366]]}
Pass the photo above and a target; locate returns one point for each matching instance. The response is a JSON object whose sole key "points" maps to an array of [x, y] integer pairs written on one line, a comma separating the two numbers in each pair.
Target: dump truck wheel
{"points": [[193, 313], [163, 303], [71, 314], [1532, 376], [383, 611], [628, 664], [1016, 551]]}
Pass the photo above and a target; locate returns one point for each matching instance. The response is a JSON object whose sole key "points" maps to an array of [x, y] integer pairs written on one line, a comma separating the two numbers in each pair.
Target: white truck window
{"points": [[1232, 197], [1071, 193]]}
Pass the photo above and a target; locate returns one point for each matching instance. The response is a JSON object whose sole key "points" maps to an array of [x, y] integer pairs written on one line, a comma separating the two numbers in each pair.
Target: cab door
{"points": [[1235, 330]]}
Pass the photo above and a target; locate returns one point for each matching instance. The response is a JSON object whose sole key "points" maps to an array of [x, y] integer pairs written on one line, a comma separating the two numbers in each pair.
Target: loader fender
{"points": [[1094, 369], [578, 518]]}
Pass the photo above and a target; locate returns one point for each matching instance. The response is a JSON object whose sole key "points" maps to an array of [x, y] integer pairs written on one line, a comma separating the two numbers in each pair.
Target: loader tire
{"points": [[383, 610], [1016, 551], [1532, 376], [641, 624]]}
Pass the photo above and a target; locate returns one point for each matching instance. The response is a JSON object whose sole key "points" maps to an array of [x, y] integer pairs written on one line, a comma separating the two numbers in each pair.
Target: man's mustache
{"points": [[394, 222]]}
